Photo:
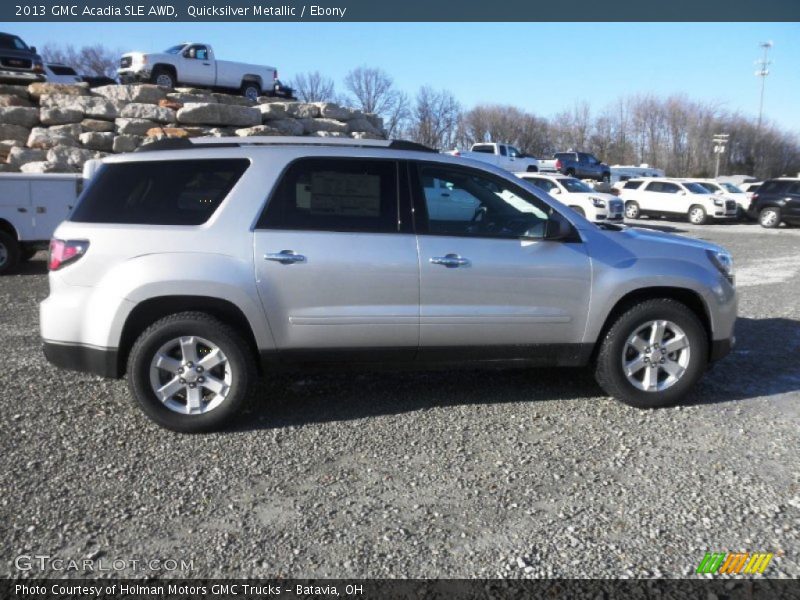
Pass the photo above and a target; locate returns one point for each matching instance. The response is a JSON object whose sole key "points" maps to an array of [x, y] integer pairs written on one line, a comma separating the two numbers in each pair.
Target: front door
{"points": [[196, 67], [336, 263], [490, 285]]}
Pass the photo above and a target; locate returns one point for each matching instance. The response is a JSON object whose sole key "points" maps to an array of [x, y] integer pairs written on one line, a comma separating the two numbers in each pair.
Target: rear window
{"points": [[61, 70], [172, 192], [632, 185]]}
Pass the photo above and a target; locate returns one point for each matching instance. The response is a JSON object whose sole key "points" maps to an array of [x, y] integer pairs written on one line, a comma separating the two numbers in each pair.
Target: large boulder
{"points": [[14, 132], [333, 134], [19, 115], [235, 100], [60, 116], [301, 110], [272, 111], [14, 90], [19, 156], [67, 155], [367, 135], [287, 126], [126, 143], [96, 140], [134, 126], [186, 98], [157, 114], [14, 100], [97, 125], [46, 167], [362, 124], [93, 107], [6, 146], [42, 137], [330, 125], [219, 114], [37, 90], [330, 110], [145, 93], [7, 168]]}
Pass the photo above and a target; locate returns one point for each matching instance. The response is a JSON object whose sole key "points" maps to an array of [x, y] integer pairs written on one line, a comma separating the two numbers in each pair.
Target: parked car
{"points": [[504, 156], [194, 63], [727, 190], [587, 202], [19, 63], [59, 73], [663, 197], [98, 80], [626, 172], [185, 267], [777, 201], [31, 206], [579, 164]]}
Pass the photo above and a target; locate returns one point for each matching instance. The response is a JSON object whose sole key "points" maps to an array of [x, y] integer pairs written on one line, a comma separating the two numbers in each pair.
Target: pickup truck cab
{"points": [[193, 63], [19, 63], [31, 207], [579, 196], [504, 156], [664, 197], [579, 164]]}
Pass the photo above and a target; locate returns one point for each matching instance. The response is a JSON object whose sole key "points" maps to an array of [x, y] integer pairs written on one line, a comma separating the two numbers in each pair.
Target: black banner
{"points": [[723, 588], [404, 10]]}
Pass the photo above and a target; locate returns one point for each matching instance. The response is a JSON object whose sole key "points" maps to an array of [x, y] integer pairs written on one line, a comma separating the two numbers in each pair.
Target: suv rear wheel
{"points": [[697, 215], [769, 217], [9, 253], [190, 372], [652, 354], [632, 210]]}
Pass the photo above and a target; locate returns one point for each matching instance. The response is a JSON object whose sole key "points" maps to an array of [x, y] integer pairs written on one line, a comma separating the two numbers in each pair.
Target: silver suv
{"points": [[196, 269]]}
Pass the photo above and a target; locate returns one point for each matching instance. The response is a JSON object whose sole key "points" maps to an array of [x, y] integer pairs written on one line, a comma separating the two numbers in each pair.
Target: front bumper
{"points": [[87, 359], [10, 76], [133, 76]]}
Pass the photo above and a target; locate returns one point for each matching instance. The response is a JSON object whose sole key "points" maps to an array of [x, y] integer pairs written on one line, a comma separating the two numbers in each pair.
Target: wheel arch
{"points": [[8, 228], [253, 78], [688, 297], [166, 67], [149, 311]]}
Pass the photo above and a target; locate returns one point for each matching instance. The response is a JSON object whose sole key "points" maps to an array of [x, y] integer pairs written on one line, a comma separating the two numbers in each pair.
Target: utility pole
{"points": [[720, 140], [762, 72]]}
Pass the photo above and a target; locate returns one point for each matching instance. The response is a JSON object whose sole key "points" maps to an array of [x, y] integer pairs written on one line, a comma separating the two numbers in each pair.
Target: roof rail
{"points": [[217, 142]]}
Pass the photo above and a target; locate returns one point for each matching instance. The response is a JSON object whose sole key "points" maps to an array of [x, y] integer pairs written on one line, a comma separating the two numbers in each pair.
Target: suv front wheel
{"points": [[190, 372], [653, 354]]}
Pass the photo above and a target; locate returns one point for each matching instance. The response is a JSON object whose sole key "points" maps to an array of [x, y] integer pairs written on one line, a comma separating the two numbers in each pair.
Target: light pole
{"points": [[720, 140], [762, 72]]}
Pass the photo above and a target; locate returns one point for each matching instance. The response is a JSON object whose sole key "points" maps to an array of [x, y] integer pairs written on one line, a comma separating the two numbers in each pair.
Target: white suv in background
{"points": [[579, 196], [664, 197], [727, 190]]}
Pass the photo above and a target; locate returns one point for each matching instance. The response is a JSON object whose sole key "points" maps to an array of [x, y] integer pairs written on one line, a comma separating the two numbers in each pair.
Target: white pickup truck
{"points": [[193, 63], [504, 156]]}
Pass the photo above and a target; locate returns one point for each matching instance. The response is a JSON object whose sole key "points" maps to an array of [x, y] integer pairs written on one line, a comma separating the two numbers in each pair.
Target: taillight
{"points": [[456, 153], [754, 197], [64, 252], [558, 165]]}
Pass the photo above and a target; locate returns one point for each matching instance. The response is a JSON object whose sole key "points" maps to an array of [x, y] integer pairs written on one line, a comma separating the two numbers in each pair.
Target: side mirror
{"points": [[554, 191], [557, 228], [682, 193], [33, 49]]}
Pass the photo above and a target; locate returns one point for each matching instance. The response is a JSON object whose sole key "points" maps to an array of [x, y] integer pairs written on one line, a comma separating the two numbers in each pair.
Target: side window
{"points": [[583, 158], [653, 186], [770, 187], [483, 148], [670, 188], [544, 184], [503, 151], [513, 152], [480, 205], [794, 189], [328, 194], [201, 53], [632, 185]]}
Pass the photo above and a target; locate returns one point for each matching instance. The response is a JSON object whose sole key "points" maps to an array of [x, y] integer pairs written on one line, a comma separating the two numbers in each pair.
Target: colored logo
{"points": [[735, 563]]}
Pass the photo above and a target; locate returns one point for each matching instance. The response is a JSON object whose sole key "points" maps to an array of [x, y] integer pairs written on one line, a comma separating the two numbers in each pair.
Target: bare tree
{"points": [[373, 91], [95, 60], [314, 87], [435, 118]]}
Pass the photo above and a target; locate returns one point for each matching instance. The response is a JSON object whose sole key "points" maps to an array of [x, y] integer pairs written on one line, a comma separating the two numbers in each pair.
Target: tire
{"points": [[579, 210], [9, 253], [697, 215], [769, 217], [570, 172], [251, 90], [632, 210], [532, 169], [233, 377], [668, 388], [163, 78]]}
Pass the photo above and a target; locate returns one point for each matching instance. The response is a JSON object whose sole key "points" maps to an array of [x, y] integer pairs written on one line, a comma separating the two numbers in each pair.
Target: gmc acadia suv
{"points": [[194, 269]]}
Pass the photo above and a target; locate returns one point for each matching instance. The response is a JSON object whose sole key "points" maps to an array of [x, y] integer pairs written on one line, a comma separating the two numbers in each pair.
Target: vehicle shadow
{"points": [[762, 364], [34, 266]]}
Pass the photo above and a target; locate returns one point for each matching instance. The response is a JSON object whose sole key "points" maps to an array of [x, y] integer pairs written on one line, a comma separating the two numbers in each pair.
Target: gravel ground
{"points": [[520, 473]]}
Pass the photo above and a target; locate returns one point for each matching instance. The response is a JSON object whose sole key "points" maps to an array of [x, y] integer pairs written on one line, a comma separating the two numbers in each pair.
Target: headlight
{"points": [[723, 261], [599, 203], [719, 202]]}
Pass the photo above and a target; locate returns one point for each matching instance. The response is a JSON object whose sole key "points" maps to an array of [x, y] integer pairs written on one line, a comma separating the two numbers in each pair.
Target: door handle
{"points": [[285, 257], [450, 261], [206, 64], [23, 210]]}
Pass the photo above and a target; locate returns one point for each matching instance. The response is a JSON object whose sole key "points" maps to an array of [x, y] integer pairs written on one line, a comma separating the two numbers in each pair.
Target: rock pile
{"points": [[49, 127]]}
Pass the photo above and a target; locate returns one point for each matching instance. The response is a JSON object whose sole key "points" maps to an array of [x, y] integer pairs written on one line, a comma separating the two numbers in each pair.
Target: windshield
{"points": [[174, 49], [711, 187], [575, 186], [696, 188], [12, 42], [732, 188]]}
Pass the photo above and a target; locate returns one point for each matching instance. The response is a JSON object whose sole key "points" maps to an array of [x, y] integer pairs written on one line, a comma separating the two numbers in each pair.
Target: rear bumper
{"points": [[87, 359]]}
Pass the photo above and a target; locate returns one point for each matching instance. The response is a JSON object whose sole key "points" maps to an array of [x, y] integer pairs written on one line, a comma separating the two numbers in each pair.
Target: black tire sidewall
{"points": [[613, 379], [247, 85], [161, 71], [12, 253], [231, 345]]}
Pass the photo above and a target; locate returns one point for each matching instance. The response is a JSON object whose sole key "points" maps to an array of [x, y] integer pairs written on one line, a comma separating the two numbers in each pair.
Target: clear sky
{"points": [[542, 67]]}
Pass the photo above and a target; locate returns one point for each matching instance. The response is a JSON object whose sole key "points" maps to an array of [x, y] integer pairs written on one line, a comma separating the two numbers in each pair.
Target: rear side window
{"points": [[632, 185], [328, 194], [484, 149], [62, 70], [770, 187], [171, 192]]}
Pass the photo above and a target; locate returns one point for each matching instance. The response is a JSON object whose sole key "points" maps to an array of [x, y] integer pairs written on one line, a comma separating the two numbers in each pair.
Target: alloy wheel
{"points": [[656, 356]]}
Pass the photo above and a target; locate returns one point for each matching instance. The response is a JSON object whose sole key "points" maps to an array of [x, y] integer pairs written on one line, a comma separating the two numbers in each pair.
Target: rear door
{"points": [[792, 206], [490, 286], [336, 261], [52, 200]]}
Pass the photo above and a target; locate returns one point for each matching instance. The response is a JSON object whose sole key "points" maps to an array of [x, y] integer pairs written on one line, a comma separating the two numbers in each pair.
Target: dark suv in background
{"points": [[19, 62], [582, 165], [777, 201]]}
